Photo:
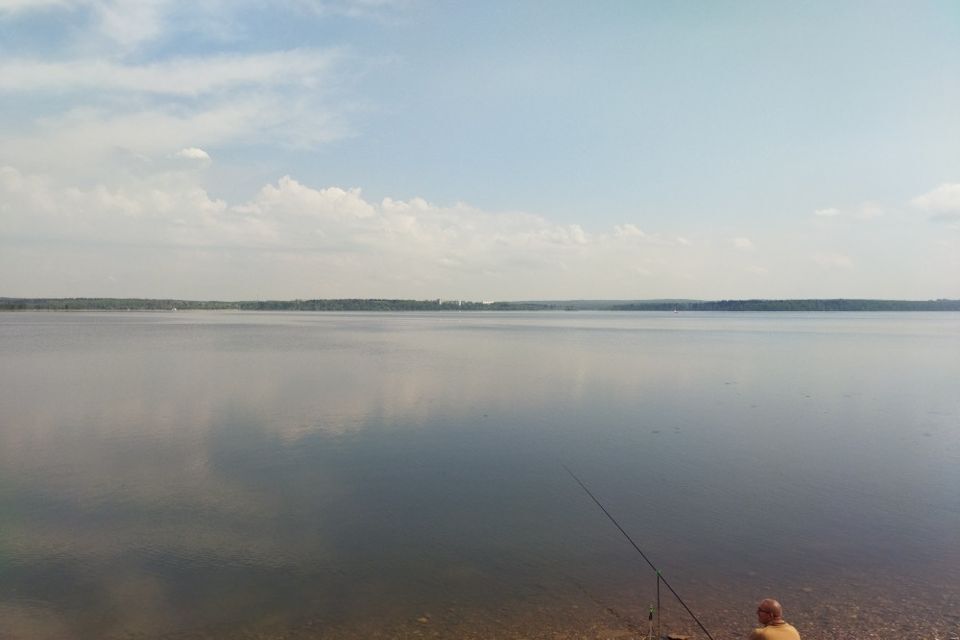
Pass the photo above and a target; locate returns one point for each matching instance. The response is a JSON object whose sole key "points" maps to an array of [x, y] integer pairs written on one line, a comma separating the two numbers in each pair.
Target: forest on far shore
{"points": [[378, 304]]}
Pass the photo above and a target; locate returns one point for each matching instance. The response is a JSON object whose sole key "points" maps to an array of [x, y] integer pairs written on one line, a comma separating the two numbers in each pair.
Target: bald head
{"points": [[771, 606], [769, 615]]}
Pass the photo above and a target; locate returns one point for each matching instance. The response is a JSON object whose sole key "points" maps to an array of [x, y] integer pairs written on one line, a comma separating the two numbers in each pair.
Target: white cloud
{"points": [[943, 202], [176, 77], [577, 234], [106, 113], [125, 23], [829, 212], [289, 197], [39, 206], [194, 153], [743, 243], [130, 24], [273, 99], [15, 6], [24, 194], [295, 232], [86, 139], [154, 233], [629, 231]]}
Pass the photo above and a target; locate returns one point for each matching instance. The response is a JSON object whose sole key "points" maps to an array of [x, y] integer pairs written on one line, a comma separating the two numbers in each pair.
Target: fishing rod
{"points": [[660, 577]]}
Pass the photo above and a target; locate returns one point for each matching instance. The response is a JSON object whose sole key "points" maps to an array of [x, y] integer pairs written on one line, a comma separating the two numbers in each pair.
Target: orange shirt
{"points": [[781, 631]]}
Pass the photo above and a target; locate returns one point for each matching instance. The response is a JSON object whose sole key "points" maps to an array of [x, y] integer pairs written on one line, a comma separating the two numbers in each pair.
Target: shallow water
{"points": [[208, 474]]}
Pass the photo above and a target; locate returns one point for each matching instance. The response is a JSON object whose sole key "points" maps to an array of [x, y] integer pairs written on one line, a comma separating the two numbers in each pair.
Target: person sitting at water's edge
{"points": [[770, 615]]}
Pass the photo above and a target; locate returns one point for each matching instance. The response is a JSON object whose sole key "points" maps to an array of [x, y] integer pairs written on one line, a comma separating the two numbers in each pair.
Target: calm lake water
{"points": [[298, 475]]}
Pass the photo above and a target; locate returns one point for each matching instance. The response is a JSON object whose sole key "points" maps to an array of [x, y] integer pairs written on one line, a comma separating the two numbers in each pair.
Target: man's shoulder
{"points": [[783, 631]]}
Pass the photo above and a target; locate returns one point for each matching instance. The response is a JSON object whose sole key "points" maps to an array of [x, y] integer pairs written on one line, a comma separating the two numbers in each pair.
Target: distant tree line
{"points": [[349, 304], [378, 304], [838, 304]]}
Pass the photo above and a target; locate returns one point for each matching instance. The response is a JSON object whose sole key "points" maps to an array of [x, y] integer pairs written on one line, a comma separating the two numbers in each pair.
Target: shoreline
{"points": [[384, 305]]}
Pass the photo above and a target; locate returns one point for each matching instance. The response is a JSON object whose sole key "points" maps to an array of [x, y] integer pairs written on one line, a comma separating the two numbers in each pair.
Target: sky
{"points": [[247, 149]]}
